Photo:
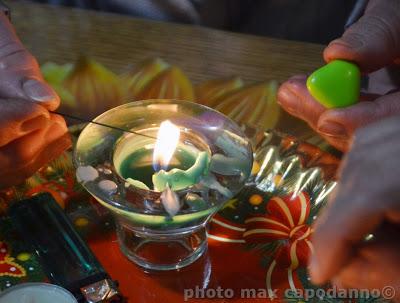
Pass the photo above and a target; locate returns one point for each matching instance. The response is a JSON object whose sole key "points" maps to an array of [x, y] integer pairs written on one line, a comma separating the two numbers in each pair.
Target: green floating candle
{"points": [[178, 179], [336, 84]]}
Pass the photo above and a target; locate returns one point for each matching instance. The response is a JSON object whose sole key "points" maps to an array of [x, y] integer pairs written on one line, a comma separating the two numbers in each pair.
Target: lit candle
{"points": [[176, 175], [174, 166], [167, 141], [36, 293]]}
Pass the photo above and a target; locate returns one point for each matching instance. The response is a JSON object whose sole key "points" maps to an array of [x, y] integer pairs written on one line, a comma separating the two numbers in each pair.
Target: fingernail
{"points": [[287, 100], [38, 91], [332, 129], [352, 43]]}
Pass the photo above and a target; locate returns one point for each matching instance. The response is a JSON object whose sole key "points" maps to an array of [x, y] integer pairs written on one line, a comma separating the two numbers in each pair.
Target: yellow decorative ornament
{"points": [[256, 199], [95, 88], [210, 92], [23, 257], [230, 204], [170, 84], [91, 89], [254, 105], [55, 75], [277, 180], [137, 79], [81, 222], [255, 169]]}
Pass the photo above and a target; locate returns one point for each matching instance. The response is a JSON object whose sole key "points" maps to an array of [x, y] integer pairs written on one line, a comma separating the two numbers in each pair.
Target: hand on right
{"points": [[366, 201], [372, 43]]}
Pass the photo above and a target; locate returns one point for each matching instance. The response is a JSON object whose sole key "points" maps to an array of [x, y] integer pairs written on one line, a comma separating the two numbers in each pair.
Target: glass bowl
{"points": [[162, 209]]}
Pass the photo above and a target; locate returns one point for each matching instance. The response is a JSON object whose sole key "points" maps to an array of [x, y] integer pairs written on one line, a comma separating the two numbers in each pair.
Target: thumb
{"points": [[374, 41], [20, 76], [343, 122]]}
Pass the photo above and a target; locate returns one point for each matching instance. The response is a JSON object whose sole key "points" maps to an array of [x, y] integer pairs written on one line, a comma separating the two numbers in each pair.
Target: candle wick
{"points": [[159, 165], [156, 166]]}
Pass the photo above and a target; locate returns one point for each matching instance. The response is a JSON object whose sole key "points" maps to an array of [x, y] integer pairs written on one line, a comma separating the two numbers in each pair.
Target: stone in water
{"points": [[108, 186], [86, 173]]}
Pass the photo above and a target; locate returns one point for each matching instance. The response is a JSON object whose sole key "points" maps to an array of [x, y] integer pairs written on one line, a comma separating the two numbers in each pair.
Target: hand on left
{"points": [[30, 136], [20, 76]]}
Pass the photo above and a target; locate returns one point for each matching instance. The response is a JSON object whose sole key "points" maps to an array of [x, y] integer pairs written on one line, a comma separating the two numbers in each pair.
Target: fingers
{"points": [[25, 155], [375, 266], [342, 123], [366, 196], [377, 133], [20, 75], [25, 148], [52, 150], [339, 232], [337, 126], [20, 117], [294, 97], [341, 227], [374, 41]]}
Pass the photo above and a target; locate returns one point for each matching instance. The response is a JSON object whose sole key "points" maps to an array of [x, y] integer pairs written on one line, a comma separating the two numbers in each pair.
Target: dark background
{"points": [[318, 21]]}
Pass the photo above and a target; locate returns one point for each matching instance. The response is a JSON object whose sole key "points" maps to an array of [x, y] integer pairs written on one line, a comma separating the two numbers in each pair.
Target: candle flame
{"points": [[167, 141]]}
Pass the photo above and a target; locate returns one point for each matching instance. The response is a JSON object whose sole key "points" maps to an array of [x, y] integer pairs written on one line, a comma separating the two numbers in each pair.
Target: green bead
{"points": [[336, 84]]}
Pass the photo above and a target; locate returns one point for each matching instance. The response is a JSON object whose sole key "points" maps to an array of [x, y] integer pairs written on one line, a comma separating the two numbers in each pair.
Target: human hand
{"points": [[373, 43], [366, 201], [20, 76], [29, 135], [29, 138]]}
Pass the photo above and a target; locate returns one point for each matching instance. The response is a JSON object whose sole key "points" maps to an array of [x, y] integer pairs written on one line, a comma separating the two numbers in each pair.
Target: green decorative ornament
{"points": [[336, 84]]}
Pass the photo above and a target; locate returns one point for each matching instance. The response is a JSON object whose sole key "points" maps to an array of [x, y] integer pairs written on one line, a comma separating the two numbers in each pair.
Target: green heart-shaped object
{"points": [[336, 84]]}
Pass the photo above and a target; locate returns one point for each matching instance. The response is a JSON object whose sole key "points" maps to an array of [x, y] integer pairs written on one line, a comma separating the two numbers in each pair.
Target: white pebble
{"points": [[86, 173], [108, 186], [107, 171]]}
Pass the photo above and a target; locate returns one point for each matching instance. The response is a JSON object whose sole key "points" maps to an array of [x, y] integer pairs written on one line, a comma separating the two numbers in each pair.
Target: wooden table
{"points": [[61, 34]]}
